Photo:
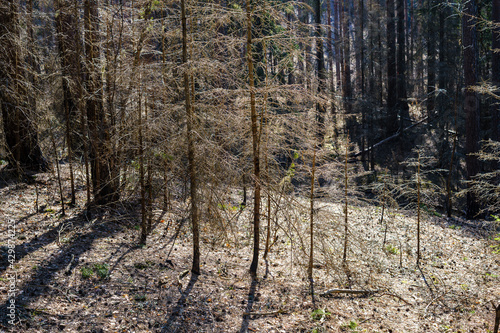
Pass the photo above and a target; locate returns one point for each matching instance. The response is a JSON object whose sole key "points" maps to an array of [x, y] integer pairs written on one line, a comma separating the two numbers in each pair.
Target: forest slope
{"points": [[84, 273]]}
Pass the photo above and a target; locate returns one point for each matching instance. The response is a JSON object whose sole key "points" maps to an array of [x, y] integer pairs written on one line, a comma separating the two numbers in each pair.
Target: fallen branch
{"points": [[347, 291], [389, 138]]}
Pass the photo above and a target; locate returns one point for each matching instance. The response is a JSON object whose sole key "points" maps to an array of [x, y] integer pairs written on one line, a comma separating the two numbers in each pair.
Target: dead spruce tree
{"points": [[419, 192]]}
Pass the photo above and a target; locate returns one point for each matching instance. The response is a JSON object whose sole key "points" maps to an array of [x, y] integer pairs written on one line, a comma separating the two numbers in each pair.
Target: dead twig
{"points": [[270, 313]]}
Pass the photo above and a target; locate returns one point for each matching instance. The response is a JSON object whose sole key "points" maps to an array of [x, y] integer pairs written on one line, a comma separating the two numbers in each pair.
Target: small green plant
{"points": [[140, 298], [391, 249], [320, 314], [455, 227], [102, 270], [352, 325], [86, 272]]}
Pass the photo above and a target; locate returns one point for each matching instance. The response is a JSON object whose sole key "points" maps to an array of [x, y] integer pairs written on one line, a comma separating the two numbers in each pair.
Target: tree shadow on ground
{"points": [[64, 260], [171, 324], [248, 310]]}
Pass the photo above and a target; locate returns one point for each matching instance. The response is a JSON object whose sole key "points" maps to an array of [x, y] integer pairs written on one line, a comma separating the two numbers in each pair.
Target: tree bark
{"points": [[346, 58], [431, 61], [320, 107], [495, 68], [392, 119], [20, 130], [471, 103], [402, 103]]}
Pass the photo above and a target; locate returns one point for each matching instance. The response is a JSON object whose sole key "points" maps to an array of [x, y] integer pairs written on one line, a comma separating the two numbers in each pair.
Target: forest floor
{"points": [[84, 273]]}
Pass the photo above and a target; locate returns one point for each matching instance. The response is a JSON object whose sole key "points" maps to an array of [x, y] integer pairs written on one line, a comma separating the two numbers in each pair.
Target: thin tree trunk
{"points": [[402, 103], [65, 29], [191, 150], [418, 210], [346, 211], [144, 227], [346, 67], [82, 109], [56, 161], [311, 227], [360, 73], [311, 220], [320, 59], [337, 32], [255, 145], [431, 61], [450, 169], [392, 121], [495, 68]]}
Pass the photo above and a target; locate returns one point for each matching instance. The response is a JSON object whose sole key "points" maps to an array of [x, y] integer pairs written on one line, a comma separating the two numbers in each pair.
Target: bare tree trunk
{"points": [[311, 222], [56, 162], [346, 208], [144, 227], [320, 59], [65, 28], [337, 32], [80, 81], [471, 103], [332, 56], [418, 210], [402, 103], [392, 121], [191, 153], [255, 146], [346, 58], [431, 61], [360, 66], [450, 169], [495, 68]]}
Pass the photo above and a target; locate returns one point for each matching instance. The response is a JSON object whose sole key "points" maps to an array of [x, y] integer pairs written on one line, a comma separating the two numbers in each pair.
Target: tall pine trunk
{"points": [[471, 103], [392, 119], [402, 103], [495, 68], [431, 61]]}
